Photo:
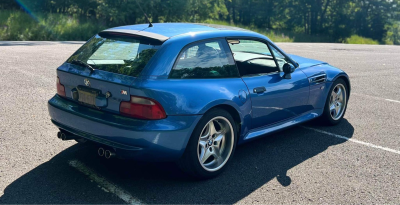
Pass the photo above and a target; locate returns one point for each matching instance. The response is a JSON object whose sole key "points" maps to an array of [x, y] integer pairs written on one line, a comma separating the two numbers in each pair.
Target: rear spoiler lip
{"points": [[146, 34]]}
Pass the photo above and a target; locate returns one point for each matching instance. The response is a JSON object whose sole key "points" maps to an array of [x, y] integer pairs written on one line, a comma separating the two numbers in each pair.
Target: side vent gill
{"points": [[317, 79]]}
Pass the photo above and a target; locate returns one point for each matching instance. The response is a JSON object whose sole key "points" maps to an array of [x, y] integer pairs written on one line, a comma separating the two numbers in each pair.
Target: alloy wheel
{"points": [[337, 103], [215, 144]]}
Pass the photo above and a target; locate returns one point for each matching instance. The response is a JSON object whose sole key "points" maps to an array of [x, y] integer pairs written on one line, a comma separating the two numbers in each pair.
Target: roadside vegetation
{"points": [[20, 26], [338, 21]]}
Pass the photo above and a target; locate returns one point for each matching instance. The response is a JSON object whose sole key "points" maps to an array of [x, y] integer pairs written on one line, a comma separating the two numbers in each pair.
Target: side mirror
{"points": [[288, 69]]}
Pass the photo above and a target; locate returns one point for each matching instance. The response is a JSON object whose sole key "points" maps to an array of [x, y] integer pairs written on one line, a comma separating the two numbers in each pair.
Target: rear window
{"points": [[125, 55]]}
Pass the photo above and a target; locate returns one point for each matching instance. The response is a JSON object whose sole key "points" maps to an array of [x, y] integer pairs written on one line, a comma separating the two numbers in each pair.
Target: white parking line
{"points": [[392, 100], [353, 140], [103, 183], [377, 98]]}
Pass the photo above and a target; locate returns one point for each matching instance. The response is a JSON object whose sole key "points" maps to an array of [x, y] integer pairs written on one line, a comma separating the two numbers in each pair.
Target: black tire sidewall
{"points": [[190, 160]]}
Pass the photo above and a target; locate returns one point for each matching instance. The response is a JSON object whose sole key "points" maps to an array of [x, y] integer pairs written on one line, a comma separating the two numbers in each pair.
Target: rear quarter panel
{"points": [[197, 96]]}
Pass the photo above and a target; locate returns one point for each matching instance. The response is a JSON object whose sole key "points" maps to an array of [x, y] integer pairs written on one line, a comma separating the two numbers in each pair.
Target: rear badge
{"points": [[87, 82], [124, 92]]}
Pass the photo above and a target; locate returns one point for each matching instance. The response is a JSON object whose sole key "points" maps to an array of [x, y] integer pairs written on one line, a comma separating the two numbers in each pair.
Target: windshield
{"points": [[117, 54]]}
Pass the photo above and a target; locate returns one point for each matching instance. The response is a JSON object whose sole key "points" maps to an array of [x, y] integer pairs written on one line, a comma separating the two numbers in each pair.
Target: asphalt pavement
{"points": [[356, 162]]}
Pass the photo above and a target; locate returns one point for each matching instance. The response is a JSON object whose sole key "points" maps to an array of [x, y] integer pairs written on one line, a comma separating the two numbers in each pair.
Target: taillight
{"points": [[60, 88], [142, 108]]}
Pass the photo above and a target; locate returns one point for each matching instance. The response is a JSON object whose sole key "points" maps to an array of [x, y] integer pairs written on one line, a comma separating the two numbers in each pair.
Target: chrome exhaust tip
{"points": [[109, 154], [100, 151]]}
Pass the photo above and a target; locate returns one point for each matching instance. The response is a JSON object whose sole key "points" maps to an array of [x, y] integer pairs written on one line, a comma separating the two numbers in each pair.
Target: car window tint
{"points": [[116, 54], [252, 57], [210, 59]]}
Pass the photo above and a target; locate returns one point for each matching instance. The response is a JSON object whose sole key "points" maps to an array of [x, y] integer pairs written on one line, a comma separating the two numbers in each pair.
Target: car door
{"points": [[273, 97]]}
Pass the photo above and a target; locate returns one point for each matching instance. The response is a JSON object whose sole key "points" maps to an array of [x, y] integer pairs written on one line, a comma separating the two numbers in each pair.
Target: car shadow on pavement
{"points": [[254, 164]]}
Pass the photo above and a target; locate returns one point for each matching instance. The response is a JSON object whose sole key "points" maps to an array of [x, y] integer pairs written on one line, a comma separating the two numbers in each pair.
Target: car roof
{"points": [[164, 31]]}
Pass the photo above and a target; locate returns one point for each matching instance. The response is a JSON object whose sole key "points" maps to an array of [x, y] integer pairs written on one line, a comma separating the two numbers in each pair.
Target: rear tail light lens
{"points": [[142, 108], [60, 88]]}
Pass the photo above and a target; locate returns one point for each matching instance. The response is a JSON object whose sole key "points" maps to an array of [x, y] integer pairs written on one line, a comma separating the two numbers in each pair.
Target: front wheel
{"points": [[336, 103], [211, 145]]}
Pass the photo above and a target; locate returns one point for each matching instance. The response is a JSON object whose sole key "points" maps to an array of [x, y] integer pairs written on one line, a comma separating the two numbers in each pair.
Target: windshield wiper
{"points": [[79, 62]]}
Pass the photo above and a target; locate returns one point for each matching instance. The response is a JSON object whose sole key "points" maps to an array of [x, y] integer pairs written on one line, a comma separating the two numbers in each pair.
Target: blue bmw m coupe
{"points": [[189, 93]]}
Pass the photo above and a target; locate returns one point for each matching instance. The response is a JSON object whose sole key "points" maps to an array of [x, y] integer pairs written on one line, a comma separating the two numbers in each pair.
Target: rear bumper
{"points": [[148, 140]]}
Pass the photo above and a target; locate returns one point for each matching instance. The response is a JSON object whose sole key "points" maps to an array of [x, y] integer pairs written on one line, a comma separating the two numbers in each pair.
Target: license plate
{"points": [[87, 95]]}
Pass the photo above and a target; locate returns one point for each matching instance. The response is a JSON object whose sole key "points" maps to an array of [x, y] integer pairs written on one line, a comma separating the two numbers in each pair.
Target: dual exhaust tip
{"points": [[65, 136], [106, 153]]}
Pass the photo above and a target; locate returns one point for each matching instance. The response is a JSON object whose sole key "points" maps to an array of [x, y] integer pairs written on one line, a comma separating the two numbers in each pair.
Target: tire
{"points": [[336, 105], [201, 159]]}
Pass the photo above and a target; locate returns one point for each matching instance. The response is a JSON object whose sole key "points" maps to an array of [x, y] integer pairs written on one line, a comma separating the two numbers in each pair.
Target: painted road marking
{"points": [[103, 183], [377, 98], [392, 100], [353, 140]]}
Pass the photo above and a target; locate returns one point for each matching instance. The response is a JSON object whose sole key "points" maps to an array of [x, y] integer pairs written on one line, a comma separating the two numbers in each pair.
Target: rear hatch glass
{"points": [[119, 54], [99, 74]]}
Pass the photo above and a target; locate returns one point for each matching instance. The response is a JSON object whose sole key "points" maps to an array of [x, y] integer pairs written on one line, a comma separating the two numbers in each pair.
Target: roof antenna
{"points": [[150, 24]]}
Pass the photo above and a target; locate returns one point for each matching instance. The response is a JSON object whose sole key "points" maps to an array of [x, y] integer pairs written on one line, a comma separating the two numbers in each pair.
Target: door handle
{"points": [[259, 90]]}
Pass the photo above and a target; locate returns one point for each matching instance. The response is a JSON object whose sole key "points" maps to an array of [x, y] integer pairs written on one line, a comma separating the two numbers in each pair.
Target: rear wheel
{"points": [[211, 145], [336, 103]]}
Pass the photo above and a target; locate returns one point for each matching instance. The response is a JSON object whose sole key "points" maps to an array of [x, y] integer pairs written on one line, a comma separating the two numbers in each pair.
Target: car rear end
{"points": [[99, 99]]}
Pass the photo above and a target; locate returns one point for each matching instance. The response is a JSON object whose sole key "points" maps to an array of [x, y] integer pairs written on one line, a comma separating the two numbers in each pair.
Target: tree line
{"points": [[334, 20]]}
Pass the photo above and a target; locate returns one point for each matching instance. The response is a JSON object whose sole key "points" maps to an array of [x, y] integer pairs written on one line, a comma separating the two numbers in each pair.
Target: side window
{"points": [[280, 58], [206, 59], [249, 46], [252, 57]]}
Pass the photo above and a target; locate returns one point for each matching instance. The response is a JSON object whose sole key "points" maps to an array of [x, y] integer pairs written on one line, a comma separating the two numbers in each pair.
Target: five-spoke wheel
{"points": [[211, 145], [215, 143], [336, 103]]}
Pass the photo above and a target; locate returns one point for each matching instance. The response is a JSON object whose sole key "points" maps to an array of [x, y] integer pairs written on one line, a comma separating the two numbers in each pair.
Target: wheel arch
{"points": [[346, 80], [234, 113]]}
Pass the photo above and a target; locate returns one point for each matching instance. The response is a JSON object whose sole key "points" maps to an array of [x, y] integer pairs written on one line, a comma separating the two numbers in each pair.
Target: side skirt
{"points": [[255, 133]]}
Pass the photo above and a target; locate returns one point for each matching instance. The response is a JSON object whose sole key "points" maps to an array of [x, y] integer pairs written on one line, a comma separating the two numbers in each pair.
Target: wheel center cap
{"points": [[210, 142]]}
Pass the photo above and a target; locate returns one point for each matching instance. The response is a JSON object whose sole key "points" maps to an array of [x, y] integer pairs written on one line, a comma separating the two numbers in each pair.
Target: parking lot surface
{"points": [[355, 162]]}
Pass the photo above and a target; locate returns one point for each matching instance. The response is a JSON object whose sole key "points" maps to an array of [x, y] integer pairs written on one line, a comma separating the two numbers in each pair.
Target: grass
{"points": [[355, 39], [20, 26]]}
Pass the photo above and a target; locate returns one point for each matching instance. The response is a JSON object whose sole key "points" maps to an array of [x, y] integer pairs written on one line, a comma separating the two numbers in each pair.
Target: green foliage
{"points": [[393, 34], [20, 26], [283, 20], [354, 39], [273, 35]]}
